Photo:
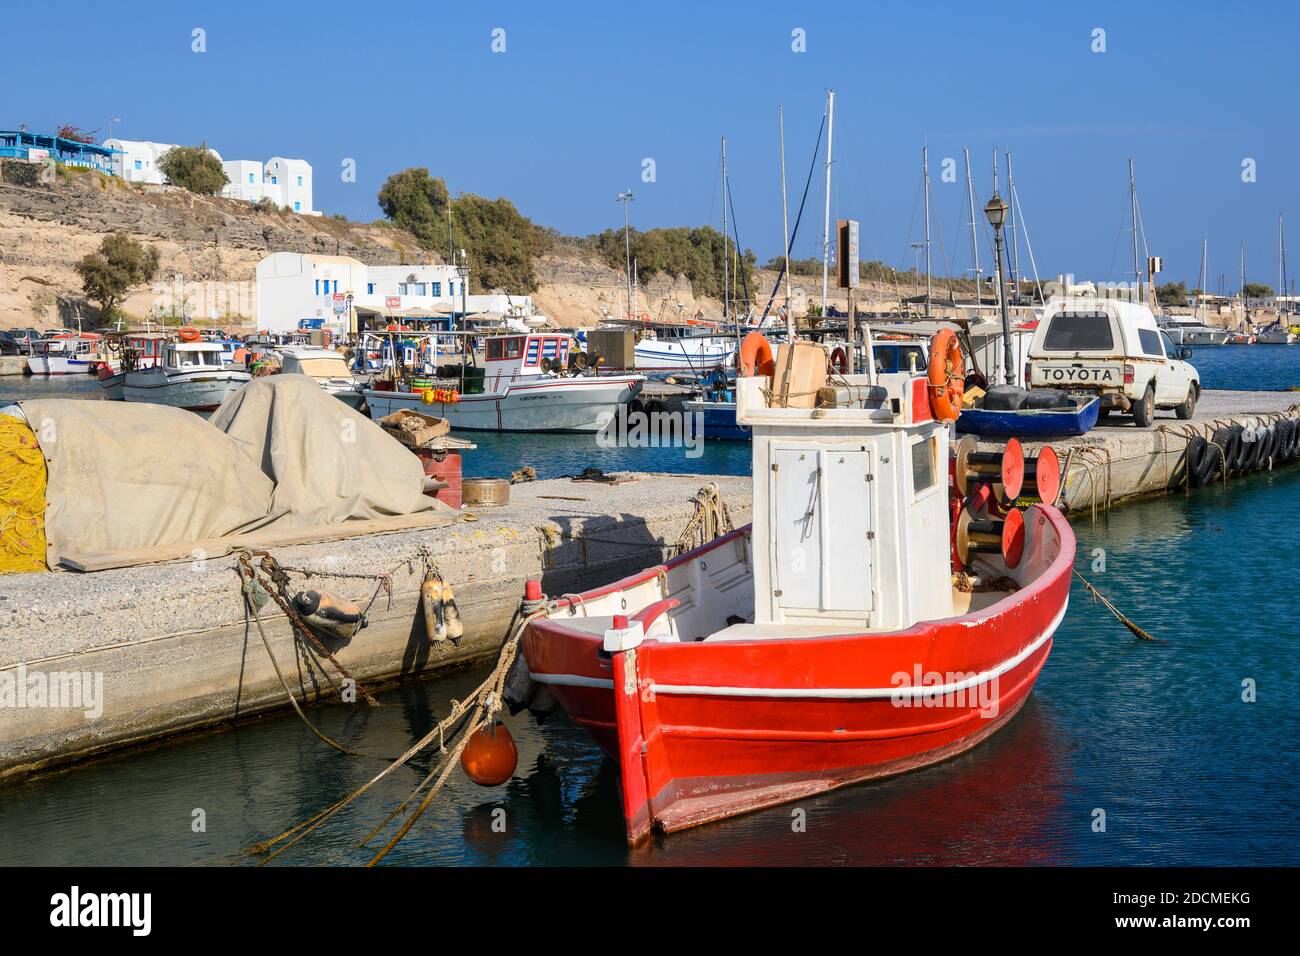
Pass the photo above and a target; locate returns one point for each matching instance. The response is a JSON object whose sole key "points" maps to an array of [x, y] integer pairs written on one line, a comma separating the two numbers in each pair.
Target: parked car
{"points": [[24, 339], [1116, 351], [8, 344]]}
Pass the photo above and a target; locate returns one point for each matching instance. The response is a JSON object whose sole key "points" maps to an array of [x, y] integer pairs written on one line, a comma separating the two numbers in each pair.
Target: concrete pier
{"points": [[13, 364], [175, 654], [1118, 462]]}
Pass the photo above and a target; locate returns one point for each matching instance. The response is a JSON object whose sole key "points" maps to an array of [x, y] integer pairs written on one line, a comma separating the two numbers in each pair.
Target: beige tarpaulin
{"points": [[280, 453], [329, 463], [125, 475]]}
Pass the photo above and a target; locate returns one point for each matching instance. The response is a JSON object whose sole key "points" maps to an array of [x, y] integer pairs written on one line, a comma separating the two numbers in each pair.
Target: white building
{"points": [[292, 177], [293, 287], [286, 182], [138, 162]]}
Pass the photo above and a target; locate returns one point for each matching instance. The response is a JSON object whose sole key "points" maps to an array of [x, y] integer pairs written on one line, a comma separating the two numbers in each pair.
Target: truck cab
{"points": [[1115, 351]]}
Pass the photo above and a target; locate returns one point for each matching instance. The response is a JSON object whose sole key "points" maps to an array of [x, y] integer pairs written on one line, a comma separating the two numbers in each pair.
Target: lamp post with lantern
{"points": [[996, 212]]}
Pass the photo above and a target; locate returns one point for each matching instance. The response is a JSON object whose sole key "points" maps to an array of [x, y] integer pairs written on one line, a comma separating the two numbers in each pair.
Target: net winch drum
{"points": [[1043, 476], [1005, 536], [1004, 470]]}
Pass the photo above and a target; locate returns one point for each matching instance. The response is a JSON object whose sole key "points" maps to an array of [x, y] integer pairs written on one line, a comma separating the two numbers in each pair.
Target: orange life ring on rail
{"points": [[946, 375], [189, 334], [756, 356], [839, 360]]}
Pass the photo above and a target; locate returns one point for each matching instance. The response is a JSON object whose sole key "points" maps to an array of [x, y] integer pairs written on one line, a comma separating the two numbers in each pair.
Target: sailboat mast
{"points": [[1133, 204], [726, 261], [974, 236], [1205, 274], [785, 227], [1281, 267], [1015, 242], [826, 225], [925, 180], [1245, 303]]}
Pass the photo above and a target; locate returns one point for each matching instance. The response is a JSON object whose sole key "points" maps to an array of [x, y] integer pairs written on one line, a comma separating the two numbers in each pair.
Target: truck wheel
{"points": [[1185, 410], [1144, 410]]}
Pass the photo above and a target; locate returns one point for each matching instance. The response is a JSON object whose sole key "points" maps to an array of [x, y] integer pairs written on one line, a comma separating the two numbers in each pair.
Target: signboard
{"points": [[1154, 265], [846, 255], [393, 302], [339, 297]]}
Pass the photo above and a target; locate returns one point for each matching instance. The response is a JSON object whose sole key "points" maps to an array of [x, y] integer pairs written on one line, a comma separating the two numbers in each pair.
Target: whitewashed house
{"points": [[295, 287], [138, 162], [292, 179]]}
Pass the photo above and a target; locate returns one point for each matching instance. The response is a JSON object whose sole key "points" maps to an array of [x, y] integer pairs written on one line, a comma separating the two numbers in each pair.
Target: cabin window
{"points": [[1150, 340], [922, 465], [1079, 331]]}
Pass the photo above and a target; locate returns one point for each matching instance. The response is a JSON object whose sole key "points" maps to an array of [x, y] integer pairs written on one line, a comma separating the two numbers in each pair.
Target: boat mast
{"points": [[1245, 303], [925, 180], [785, 226], [1281, 267], [826, 225], [1015, 242], [974, 236], [1205, 274], [1133, 203], [726, 264]]}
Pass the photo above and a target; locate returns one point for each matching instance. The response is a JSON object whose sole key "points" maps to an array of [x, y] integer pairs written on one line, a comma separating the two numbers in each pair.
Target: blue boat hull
{"points": [[1032, 422], [719, 420]]}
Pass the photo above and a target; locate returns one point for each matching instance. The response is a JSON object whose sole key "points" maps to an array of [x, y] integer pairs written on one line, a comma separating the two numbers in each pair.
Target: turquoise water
{"points": [[1156, 735]]}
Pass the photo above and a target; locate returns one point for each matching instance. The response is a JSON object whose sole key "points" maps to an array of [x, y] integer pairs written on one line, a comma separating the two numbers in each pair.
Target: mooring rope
{"points": [[1110, 606], [710, 520]]}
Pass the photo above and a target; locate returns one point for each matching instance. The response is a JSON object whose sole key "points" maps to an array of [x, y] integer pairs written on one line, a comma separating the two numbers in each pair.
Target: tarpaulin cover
{"points": [[328, 462], [124, 475], [279, 453]]}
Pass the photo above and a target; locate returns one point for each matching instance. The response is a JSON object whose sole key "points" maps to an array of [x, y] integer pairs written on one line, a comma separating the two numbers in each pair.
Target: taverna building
{"points": [[296, 289]]}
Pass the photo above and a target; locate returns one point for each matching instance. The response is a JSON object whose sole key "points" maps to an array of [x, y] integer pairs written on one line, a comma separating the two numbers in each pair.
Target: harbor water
{"points": [[1181, 752]]}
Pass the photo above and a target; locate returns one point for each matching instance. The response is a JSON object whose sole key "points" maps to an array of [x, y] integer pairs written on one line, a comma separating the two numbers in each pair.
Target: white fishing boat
{"points": [[327, 367], [68, 354], [138, 350], [191, 375], [1190, 332], [525, 389]]}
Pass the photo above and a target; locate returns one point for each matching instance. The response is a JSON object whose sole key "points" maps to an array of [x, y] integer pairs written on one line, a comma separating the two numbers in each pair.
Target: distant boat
{"points": [[65, 354], [191, 375], [1191, 332], [524, 391], [1275, 334], [327, 367]]}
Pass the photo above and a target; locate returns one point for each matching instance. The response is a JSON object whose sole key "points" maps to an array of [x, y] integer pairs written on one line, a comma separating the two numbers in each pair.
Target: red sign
{"points": [[338, 296], [393, 302]]}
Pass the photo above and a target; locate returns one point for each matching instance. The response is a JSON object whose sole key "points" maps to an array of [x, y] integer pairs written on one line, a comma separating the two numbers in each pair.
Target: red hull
{"points": [[708, 730]]}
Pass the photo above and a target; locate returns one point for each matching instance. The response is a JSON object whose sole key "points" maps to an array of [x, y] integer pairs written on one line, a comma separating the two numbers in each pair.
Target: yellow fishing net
{"points": [[22, 498]]}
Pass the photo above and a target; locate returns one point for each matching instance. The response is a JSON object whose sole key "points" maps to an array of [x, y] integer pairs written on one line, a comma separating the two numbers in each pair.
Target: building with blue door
{"points": [[38, 147]]}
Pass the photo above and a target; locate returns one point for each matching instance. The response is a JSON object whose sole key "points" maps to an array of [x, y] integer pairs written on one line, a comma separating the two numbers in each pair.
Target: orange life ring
{"points": [[189, 334], [756, 356], [946, 376], [839, 360]]}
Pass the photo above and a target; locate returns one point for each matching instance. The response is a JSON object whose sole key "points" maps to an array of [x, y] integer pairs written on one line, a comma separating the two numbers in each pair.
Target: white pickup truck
{"points": [[1113, 350]]}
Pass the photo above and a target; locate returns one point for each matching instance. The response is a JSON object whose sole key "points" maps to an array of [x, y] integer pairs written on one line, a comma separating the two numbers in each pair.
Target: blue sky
{"points": [[584, 92]]}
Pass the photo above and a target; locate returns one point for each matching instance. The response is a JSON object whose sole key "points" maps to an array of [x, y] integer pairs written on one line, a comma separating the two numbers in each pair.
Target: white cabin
{"points": [[510, 358], [850, 526]]}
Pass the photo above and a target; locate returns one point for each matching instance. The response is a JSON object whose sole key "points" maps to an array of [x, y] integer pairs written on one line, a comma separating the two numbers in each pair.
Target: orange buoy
{"points": [[490, 757], [839, 360], [756, 356], [946, 375], [189, 334]]}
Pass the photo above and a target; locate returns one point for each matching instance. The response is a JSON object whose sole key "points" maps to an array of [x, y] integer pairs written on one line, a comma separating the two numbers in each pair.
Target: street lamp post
{"points": [[996, 211], [625, 198]]}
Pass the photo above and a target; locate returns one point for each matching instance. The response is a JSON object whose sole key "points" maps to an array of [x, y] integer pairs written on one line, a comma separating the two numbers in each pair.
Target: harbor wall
{"points": [[13, 364], [172, 651]]}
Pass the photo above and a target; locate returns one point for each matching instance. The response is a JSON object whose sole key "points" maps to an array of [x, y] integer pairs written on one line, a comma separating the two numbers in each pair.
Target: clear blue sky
{"points": [[563, 119]]}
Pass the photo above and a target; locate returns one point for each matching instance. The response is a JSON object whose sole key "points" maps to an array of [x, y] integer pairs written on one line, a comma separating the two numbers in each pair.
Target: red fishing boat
{"points": [[829, 642]]}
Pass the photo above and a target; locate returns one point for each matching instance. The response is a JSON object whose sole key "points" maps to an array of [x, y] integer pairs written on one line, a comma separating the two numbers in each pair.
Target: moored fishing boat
{"points": [[525, 388], [137, 350], [828, 642], [190, 375], [65, 354]]}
